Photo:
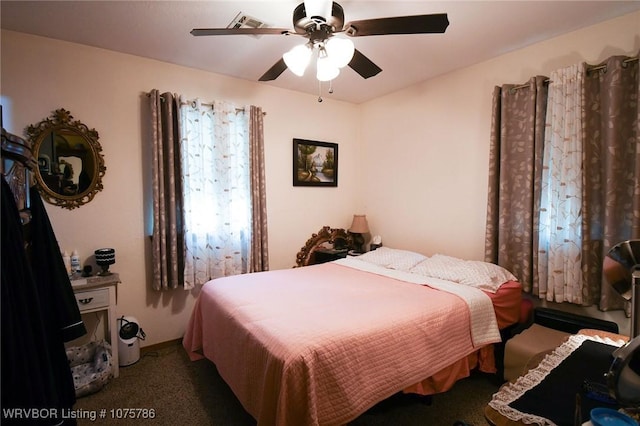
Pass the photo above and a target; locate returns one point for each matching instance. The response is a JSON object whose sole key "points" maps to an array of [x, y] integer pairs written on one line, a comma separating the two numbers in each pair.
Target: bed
{"points": [[321, 344]]}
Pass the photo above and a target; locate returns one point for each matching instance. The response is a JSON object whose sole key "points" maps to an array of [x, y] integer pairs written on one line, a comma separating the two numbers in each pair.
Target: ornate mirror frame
{"points": [[70, 163]]}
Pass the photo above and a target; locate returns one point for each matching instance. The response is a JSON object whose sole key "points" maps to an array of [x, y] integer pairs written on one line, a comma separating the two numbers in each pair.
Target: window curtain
{"points": [[610, 174], [611, 199], [515, 172], [560, 234], [224, 191], [259, 255], [167, 238], [209, 191]]}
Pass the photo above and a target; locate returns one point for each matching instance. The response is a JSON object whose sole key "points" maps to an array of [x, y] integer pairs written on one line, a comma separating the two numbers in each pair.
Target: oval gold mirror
{"points": [[70, 163]]}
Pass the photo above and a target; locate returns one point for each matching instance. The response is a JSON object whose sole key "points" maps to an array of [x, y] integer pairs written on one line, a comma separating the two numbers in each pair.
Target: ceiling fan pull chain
{"points": [[319, 91], [330, 86]]}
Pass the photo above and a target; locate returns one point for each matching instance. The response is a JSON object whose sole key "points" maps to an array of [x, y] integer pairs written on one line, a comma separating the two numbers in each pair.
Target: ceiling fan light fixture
{"points": [[340, 51], [319, 21], [318, 9], [326, 69], [298, 58]]}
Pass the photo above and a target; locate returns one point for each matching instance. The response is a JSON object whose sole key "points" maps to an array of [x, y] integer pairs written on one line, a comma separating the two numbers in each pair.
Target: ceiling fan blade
{"points": [[275, 71], [240, 31], [417, 24], [363, 65]]}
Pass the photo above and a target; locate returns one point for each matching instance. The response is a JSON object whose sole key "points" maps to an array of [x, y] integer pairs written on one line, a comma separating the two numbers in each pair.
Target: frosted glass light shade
{"points": [[326, 70], [319, 8], [340, 51], [297, 59]]}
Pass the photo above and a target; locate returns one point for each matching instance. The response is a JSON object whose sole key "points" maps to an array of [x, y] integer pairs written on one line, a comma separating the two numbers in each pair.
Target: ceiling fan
{"points": [[319, 21]]}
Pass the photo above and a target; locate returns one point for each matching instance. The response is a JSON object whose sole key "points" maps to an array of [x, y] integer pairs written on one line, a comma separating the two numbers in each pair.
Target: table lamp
{"points": [[358, 227], [104, 258]]}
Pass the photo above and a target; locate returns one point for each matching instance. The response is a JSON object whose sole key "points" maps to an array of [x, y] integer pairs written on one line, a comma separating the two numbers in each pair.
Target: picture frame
{"points": [[315, 163]]}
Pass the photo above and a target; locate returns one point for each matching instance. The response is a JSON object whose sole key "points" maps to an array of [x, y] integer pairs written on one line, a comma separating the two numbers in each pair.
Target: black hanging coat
{"points": [[39, 313]]}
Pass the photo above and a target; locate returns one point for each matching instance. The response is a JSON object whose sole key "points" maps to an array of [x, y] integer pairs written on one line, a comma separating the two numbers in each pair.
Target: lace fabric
{"points": [[512, 391]]}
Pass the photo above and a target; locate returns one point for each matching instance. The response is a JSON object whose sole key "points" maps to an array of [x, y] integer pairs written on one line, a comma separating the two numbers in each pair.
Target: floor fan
{"points": [[622, 271]]}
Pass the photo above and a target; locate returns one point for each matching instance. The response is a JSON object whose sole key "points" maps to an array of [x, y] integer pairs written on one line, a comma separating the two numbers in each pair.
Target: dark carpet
{"points": [[165, 388]]}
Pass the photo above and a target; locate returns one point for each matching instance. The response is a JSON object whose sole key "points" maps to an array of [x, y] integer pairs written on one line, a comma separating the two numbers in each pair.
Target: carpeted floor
{"points": [[167, 386]]}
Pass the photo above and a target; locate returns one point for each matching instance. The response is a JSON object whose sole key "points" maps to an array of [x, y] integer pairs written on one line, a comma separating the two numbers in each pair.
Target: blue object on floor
{"points": [[609, 417]]}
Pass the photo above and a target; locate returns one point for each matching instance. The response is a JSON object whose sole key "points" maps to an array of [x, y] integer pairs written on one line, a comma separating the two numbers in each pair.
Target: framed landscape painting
{"points": [[315, 163]]}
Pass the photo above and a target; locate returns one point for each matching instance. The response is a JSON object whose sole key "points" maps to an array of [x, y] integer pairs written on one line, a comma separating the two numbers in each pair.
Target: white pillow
{"points": [[475, 273], [401, 260]]}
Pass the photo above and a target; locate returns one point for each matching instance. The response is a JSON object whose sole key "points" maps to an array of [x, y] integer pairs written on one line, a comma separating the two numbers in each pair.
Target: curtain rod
{"points": [[203, 103], [590, 68], [192, 103]]}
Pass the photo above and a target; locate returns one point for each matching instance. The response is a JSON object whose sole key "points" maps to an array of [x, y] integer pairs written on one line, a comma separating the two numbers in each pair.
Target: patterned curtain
{"points": [[209, 191], [167, 234], [515, 172], [259, 255], [560, 234], [611, 207], [610, 195], [217, 198]]}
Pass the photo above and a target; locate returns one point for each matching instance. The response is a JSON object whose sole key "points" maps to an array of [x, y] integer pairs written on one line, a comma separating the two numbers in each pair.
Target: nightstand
{"points": [[323, 255], [99, 294]]}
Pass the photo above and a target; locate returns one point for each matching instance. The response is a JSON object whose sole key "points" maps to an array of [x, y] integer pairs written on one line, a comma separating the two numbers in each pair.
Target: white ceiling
{"points": [[478, 30]]}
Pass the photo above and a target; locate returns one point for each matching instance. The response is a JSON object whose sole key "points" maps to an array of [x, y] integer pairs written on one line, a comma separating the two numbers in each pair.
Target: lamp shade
{"points": [[298, 58], [326, 69], [339, 51], [359, 224], [104, 258]]}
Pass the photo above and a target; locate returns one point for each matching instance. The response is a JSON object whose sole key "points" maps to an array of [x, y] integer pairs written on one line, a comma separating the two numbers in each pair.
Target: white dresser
{"points": [[100, 293]]}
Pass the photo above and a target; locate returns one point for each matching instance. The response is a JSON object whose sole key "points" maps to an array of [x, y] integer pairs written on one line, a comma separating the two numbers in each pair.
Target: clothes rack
{"points": [[39, 312]]}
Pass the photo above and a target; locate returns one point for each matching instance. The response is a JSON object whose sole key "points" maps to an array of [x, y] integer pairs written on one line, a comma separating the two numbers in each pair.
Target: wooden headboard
{"points": [[327, 237]]}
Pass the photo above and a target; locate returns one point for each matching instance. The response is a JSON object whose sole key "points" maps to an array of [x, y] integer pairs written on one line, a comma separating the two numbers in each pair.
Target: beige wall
{"points": [[414, 161], [105, 90], [432, 140]]}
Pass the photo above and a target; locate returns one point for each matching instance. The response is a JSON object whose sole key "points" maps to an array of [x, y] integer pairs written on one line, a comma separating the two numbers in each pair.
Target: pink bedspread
{"points": [[322, 344]]}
